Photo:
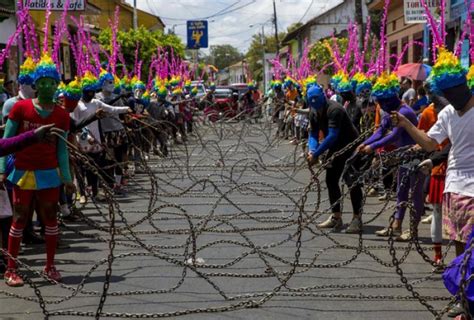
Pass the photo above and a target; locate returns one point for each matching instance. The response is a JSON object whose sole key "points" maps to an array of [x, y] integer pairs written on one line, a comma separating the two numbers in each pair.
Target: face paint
{"points": [[458, 96], [27, 91], [88, 95], [389, 104], [46, 88], [108, 86]]}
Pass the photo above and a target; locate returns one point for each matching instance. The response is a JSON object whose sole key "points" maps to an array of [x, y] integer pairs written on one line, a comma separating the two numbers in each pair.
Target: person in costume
{"points": [[90, 139], [435, 168], [386, 91], [39, 169], [114, 134], [454, 122], [178, 129], [345, 88], [159, 109], [26, 91], [330, 117]]}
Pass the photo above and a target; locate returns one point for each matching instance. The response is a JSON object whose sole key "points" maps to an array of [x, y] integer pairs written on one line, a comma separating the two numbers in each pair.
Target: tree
{"points": [[222, 56], [294, 26], [255, 53], [320, 55], [148, 42]]}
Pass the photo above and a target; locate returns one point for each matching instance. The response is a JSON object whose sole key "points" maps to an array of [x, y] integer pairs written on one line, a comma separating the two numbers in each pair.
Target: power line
{"points": [[307, 10]]}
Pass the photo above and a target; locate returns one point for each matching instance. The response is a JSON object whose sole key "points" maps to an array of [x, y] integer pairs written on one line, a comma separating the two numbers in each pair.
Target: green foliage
{"points": [[294, 26], [254, 55], [222, 56], [320, 56], [148, 42]]}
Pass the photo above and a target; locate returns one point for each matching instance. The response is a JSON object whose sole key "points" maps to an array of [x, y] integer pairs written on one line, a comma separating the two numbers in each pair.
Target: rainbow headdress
{"points": [[288, 81], [137, 84], [194, 91], [105, 76], [89, 82], [470, 78], [117, 87], [336, 78], [177, 92], [27, 71], [73, 90], [447, 71], [126, 84], [175, 81], [46, 69], [276, 84], [251, 85], [187, 85], [157, 83], [308, 83], [345, 84], [362, 83], [212, 86], [146, 98], [162, 91], [386, 86]]}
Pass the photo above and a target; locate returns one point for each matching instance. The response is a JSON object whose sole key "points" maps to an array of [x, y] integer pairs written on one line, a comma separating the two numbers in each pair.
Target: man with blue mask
{"points": [[330, 117]]}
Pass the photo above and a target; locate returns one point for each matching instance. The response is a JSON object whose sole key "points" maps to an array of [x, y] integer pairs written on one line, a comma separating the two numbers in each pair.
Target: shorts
{"points": [[458, 216], [26, 197]]}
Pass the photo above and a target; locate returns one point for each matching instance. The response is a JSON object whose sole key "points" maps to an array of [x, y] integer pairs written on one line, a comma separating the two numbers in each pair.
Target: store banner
{"points": [[56, 5], [415, 12]]}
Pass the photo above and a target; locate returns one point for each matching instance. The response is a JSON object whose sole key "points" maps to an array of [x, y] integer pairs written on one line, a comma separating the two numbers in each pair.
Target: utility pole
{"points": [[263, 58], [135, 22], [359, 19], [275, 21]]}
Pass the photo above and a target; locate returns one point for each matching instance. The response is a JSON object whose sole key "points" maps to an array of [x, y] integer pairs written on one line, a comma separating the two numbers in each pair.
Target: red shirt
{"points": [[42, 155]]}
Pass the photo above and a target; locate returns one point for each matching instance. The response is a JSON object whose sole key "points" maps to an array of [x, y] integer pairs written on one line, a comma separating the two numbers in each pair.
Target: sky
{"points": [[233, 21]]}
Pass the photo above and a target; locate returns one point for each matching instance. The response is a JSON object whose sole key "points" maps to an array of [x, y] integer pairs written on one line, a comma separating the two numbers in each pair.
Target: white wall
{"points": [[7, 28]]}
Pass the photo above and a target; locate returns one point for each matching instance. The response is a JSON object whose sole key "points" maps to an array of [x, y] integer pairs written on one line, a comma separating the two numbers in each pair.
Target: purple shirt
{"points": [[388, 135], [16, 143]]}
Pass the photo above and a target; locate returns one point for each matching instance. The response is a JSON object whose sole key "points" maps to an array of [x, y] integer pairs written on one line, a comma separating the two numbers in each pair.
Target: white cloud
{"points": [[233, 28]]}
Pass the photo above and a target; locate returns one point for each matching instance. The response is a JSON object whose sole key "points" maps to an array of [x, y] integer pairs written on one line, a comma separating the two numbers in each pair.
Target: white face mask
{"points": [[138, 93], [27, 92], [108, 86]]}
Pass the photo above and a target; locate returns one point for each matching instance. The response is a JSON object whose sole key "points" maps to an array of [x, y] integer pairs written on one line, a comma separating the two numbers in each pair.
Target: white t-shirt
{"points": [[460, 131]]}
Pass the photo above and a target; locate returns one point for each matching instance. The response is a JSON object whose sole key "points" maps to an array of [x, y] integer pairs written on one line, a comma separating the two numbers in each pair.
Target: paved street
{"points": [[237, 190]]}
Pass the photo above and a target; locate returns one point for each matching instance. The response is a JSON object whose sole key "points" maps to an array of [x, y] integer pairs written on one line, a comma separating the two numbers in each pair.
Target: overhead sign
{"points": [[415, 12], [197, 35], [56, 5]]}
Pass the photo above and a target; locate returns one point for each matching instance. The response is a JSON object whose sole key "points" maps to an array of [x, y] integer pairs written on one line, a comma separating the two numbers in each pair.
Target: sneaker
{"points": [[372, 192], [83, 200], [64, 209], [405, 236], [52, 273], [455, 311], [331, 222], [354, 226], [12, 279], [427, 220], [385, 232], [384, 197]]}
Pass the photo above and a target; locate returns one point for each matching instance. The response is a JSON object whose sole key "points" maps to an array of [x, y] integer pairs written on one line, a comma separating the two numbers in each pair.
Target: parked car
{"points": [[225, 104]]}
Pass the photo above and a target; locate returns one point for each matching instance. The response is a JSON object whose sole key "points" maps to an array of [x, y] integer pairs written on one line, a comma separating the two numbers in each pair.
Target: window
{"points": [[393, 54], [404, 50]]}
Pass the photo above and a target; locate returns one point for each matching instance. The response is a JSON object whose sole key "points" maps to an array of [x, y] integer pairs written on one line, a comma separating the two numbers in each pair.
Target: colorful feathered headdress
{"points": [[386, 86], [177, 91], [105, 76], [470, 78], [362, 83], [46, 69], [447, 71], [187, 85], [27, 71], [126, 84], [308, 83], [89, 82], [162, 91], [345, 84], [137, 84], [146, 98], [194, 91], [336, 78], [251, 85], [73, 90], [276, 84]]}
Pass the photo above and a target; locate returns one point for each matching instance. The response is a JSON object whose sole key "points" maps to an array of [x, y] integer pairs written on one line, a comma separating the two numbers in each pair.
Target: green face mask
{"points": [[46, 88]]}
